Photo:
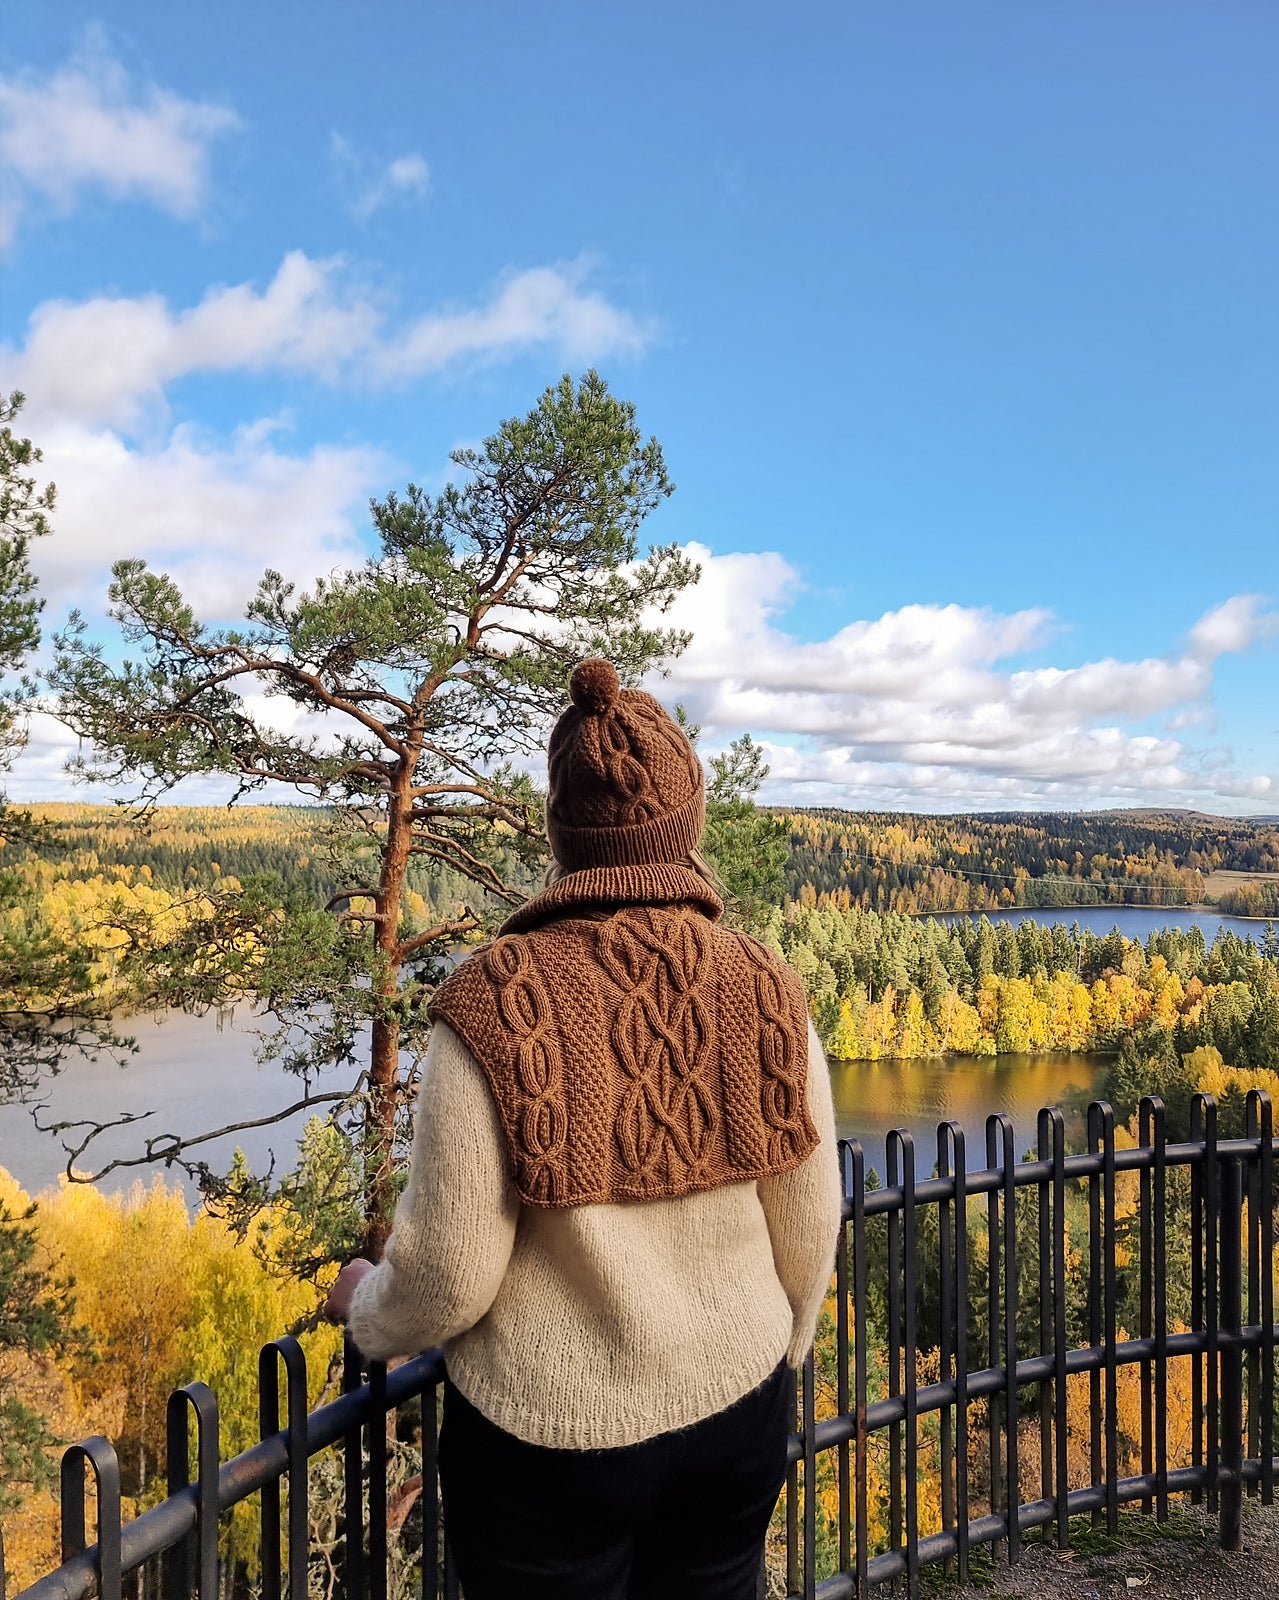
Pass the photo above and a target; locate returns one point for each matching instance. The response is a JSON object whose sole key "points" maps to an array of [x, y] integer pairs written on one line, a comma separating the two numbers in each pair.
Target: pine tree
{"points": [[427, 679]]}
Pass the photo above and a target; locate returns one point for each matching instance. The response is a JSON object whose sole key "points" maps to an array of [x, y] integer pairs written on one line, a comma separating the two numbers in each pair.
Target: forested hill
{"points": [[882, 861], [902, 861]]}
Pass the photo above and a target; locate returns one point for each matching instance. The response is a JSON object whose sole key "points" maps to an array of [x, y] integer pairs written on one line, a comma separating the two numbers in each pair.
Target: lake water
{"points": [[1134, 922], [197, 1073], [196, 1076], [874, 1097], [194, 1073]]}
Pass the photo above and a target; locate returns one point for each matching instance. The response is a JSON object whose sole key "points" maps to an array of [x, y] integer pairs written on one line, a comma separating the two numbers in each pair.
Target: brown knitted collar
{"points": [[658, 883]]}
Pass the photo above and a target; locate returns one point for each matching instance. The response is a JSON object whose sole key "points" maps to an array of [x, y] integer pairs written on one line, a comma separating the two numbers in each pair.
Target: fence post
{"points": [[106, 1471], [197, 1397], [1231, 1387]]}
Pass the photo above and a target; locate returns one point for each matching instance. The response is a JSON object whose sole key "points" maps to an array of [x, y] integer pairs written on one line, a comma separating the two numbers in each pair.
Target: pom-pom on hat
{"points": [[625, 784]]}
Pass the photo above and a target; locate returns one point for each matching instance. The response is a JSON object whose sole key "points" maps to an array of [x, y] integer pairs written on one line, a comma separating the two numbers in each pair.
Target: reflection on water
{"points": [[872, 1097]]}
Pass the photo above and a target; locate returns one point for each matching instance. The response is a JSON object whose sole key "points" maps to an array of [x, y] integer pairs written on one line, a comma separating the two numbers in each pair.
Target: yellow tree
{"points": [[131, 1258]]}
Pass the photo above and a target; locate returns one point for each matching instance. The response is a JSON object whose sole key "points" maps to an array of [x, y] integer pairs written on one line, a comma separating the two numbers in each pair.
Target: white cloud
{"points": [[89, 126], [1233, 626], [109, 360], [926, 705], [213, 514], [539, 306]]}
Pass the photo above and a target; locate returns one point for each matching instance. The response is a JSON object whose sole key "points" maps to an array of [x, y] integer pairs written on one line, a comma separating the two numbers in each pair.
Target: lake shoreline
{"points": [[1206, 908]]}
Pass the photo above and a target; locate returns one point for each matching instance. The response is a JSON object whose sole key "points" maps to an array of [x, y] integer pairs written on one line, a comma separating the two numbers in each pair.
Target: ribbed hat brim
{"points": [[669, 837]]}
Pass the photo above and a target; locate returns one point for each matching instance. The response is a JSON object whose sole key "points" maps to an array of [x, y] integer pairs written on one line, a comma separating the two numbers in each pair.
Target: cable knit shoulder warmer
{"points": [[598, 1325]]}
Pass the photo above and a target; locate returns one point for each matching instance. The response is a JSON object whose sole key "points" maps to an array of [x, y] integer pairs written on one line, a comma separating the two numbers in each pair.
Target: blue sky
{"points": [[958, 325]]}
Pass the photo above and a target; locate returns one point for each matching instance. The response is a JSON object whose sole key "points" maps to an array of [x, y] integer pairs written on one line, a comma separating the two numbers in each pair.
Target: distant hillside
{"points": [[901, 861], [884, 861]]}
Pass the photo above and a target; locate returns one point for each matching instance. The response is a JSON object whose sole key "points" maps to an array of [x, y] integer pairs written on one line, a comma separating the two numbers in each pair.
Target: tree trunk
{"points": [[384, 1054]]}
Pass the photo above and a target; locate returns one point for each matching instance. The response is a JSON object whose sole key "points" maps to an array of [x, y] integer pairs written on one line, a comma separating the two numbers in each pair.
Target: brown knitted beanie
{"points": [[625, 784]]}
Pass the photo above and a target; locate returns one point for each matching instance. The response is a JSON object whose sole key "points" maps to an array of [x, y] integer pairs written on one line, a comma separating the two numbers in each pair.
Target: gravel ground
{"points": [[1180, 1561]]}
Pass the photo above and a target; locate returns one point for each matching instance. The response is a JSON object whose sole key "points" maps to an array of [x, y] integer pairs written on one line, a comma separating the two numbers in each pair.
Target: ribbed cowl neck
{"points": [[657, 883]]}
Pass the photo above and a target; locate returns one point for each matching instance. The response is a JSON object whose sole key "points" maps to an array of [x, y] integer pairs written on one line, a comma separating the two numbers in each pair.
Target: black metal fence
{"points": [[940, 1412]]}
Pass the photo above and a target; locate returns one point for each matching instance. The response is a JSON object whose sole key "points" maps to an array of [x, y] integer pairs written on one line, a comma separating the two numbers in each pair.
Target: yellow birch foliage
{"points": [[166, 1298], [1216, 1078]]}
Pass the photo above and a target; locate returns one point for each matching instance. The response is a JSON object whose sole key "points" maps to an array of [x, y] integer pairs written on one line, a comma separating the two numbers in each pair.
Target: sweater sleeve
{"points": [[803, 1208], [455, 1223]]}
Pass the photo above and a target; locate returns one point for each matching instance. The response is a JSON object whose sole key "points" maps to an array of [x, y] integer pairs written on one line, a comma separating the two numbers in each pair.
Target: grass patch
{"points": [[935, 1581], [1137, 1531], [1098, 1552]]}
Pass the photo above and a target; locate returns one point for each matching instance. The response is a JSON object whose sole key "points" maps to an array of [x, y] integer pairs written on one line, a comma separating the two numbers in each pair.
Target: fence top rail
{"points": [[1089, 1164]]}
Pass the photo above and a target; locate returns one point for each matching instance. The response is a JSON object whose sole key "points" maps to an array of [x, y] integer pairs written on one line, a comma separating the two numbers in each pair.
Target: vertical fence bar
{"points": [[1212, 1265], [808, 1388], [842, 1291], [861, 1487], [905, 1151], [959, 1164], [1154, 1303], [1012, 1476], [1252, 1248], [1043, 1149], [1160, 1131], [992, 1321], [894, 1226], [197, 1397], [268, 1426], [1232, 1423], [379, 1421], [353, 1479], [792, 1505], [177, 1571], [289, 1351], [106, 1472], [1057, 1126], [1260, 1114], [945, 1333], [1110, 1309], [1146, 1288], [1095, 1460], [1197, 1247]]}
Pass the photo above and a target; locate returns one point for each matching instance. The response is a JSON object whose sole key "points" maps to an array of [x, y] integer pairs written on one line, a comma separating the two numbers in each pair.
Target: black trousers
{"points": [[678, 1517]]}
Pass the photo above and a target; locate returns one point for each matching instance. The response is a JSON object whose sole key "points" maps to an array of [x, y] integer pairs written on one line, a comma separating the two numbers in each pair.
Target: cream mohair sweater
{"points": [[594, 1326]]}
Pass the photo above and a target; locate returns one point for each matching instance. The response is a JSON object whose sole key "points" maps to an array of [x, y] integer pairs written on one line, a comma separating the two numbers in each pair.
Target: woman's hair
{"points": [[695, 861]]}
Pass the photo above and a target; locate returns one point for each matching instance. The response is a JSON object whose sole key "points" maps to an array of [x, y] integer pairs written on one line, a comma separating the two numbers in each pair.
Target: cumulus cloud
{"points": [[541, 306], [928, 704], [89, 126], [1235, 625], [108, 360], [212, 513]]}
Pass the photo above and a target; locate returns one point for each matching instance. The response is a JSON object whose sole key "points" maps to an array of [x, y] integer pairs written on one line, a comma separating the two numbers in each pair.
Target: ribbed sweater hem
{"points": [[624, 1424]]}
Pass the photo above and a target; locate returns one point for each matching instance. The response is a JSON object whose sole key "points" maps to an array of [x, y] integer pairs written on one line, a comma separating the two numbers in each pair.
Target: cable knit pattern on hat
{"points": [[642, 1054], [595, 1326], [625, 784]]}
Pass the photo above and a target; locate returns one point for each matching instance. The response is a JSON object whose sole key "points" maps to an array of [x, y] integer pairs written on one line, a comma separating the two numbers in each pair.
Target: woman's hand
{"points": [[337, 1308]]}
